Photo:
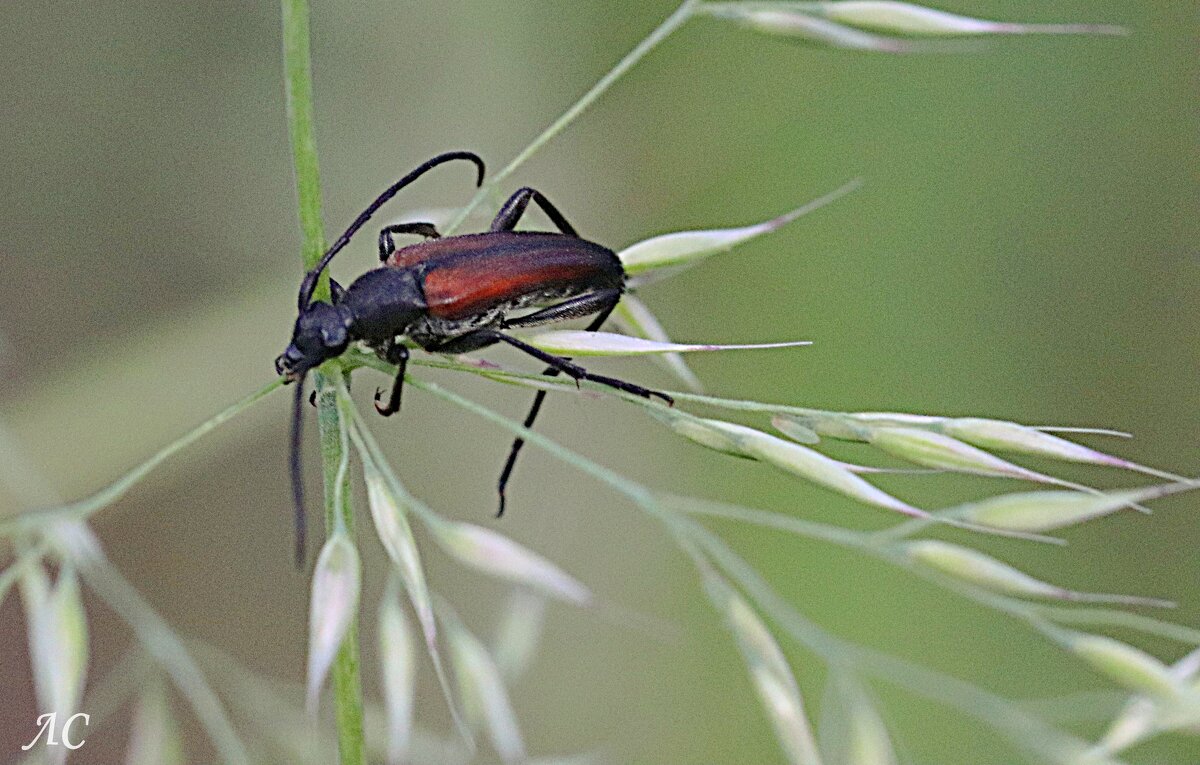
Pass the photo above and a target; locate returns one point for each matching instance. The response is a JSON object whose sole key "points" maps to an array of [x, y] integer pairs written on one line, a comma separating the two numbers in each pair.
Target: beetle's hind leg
{"points": [[387, 246], [557, 364], [393, 353], [512, 210]]}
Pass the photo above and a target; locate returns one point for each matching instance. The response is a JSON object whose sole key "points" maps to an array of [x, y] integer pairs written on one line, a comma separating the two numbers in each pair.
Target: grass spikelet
{"points": [[918, 20], [335, 588], [154, 738], [1128, 666], [985, 571], [391, 525], [778, 20], [565, 342], [851, 731], [519, 633], [497, 555], [773, 679], [1038, 511], [484, 697], [673, 252], [790, 457], [58, 638], [634, 318], [936, 450], [397, 656]]}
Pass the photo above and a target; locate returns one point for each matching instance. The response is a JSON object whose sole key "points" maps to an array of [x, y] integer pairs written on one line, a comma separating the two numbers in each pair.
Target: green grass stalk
{"points": [[347, 682]]}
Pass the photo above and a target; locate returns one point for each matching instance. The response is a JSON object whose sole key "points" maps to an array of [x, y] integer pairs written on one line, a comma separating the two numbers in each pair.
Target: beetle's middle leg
{"points": [[514, 208], [394, 353], [604, 302], [484, 337]]}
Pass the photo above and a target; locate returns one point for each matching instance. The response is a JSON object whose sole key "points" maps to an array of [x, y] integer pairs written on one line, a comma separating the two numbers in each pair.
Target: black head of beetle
{"points": [[322, 332]]}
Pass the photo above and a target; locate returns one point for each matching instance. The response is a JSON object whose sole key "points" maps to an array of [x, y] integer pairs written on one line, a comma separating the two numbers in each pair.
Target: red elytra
{"points": [[474, 273]]}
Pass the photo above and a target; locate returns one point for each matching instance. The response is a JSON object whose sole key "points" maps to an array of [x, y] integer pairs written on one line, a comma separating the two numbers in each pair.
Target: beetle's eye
{"points": [[334, 336]]}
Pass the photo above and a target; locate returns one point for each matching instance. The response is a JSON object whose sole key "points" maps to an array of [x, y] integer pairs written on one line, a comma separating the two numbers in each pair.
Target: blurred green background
{"points": [[1025, 246]]}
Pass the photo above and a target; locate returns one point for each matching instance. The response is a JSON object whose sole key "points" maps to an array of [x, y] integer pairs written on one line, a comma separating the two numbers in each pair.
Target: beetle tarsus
{"points": [[393, 353]]}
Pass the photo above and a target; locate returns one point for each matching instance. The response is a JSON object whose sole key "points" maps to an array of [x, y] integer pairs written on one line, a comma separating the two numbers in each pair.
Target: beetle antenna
{"points": [[310, 279], [297, 472]]}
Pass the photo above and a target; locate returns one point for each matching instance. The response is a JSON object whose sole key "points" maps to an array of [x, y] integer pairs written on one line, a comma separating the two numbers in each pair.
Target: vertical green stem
{"points": [[298, 81], [347, 683]]}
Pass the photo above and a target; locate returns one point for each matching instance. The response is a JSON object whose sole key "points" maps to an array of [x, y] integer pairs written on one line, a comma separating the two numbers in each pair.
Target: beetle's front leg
{"points": [[393, 353]]}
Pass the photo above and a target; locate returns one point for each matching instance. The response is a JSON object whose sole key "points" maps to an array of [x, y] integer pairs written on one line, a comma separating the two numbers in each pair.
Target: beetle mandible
{"points": [[453, 295]]}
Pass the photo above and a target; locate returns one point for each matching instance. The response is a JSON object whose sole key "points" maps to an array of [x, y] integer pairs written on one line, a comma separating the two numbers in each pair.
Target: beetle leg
{"points": [[605, 301], [394, 353], [514, 208], [482, 337], [387, 246], [574, 371]]}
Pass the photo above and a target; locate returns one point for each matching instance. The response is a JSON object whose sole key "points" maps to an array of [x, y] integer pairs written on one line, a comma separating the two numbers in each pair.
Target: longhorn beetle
{"points": [[453, 295]]}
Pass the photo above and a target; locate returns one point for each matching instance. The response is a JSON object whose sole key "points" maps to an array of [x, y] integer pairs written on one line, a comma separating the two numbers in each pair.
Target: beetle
{"points": [[453, 294]]}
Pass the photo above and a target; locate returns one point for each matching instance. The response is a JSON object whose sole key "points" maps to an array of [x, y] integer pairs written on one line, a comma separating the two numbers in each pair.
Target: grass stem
{"points": [[347, 683]]}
